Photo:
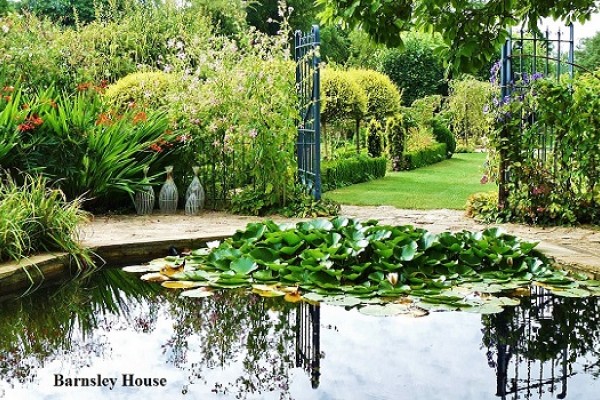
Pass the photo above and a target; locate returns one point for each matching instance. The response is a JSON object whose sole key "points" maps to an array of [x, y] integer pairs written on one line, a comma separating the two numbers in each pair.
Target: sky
{"points": [[581, 31]]}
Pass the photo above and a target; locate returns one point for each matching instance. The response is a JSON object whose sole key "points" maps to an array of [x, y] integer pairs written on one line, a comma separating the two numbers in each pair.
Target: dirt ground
{"points": [[568, 245]]}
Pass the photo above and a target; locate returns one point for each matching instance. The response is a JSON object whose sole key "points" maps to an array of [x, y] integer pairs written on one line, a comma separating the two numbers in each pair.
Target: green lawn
{"points": [[447, 184]]}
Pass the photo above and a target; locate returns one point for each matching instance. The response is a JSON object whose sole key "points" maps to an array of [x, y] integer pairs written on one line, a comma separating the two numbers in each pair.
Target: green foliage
{"points": [[562, 186], [266, 16], [147, 89], [341, 97], [334, 45], [472, 32], [468, 107], [383, 98], [67, 12], [375, 135], [344, 172], [442, 134], [364, 52], [415, 70], [396, 138], [425, 156], [483, 207], [304, 205], [587, 54], [358, 260], [35, 217], [4, 7], [78, 144]]}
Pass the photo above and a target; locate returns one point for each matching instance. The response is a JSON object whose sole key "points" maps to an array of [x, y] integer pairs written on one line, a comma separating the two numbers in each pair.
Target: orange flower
{"points": [[104, 119], [84, 86], [25, 106], [7, 98], [26, 126], [35, 120], [140, 117], [8, 89], [156, 147]]}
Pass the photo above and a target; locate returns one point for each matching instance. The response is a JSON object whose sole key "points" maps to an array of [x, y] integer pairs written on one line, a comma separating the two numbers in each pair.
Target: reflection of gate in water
{"points": [[308, 353], [530, 360]]}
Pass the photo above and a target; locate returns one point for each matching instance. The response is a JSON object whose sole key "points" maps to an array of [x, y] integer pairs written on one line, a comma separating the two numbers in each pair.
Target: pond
{"points": [[118, 337]]}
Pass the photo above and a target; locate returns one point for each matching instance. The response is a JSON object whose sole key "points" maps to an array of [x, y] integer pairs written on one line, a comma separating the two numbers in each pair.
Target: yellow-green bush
{"points": [[341, 97], [383, 97], [142, 88]]}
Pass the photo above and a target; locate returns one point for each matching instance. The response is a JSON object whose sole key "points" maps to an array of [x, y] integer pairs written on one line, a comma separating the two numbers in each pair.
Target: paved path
{"points": [[574, 246]]}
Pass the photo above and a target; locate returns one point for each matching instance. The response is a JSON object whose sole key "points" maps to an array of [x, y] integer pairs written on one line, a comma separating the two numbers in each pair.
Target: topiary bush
{"points": [[483, 207], [396, 139], [415, 70], [383, 97], [375, 135], [341, 97], [442, 134], [147, 89]]}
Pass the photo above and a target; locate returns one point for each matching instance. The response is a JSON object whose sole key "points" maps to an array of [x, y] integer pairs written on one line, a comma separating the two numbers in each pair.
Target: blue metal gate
{"points": [[308, 84]]}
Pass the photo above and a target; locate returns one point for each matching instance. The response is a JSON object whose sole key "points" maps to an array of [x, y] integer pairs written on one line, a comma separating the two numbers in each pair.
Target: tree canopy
{"points": [[588, 53], [472, 30]]}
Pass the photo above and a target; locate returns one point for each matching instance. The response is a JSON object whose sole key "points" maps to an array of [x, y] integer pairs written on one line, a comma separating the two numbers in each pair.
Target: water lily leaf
{"points": [[154, 277], [483, 309], [344, 301], [181, 284], [386, 310], [437, 307], [174, 259], [214, 244], [170, 270], [289, 250], [271, 292], [201, 275], [201, 252], [142, 268], [408, 251], [294, 297], [312, 296], [264, 275], [197, 293], [264, 254], [243, 265], [339, 222], [291, 238], [592, 283]]}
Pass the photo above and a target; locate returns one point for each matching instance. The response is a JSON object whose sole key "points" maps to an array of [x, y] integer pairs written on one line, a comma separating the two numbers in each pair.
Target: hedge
{"points": [[422, 158], [345, 172]]}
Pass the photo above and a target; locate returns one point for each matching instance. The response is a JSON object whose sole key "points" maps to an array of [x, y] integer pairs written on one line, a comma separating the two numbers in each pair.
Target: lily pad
{"points": [[154, 277], [142, 268], [199, 292], [182, 284], [386, 310]]}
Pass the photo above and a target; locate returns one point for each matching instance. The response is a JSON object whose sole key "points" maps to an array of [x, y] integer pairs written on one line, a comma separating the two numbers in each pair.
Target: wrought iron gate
{"points": [[527, 56], [308, 143]]}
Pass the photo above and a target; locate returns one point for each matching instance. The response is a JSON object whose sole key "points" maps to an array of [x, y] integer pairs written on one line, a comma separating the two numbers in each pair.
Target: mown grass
{"points": [[447, 184]]}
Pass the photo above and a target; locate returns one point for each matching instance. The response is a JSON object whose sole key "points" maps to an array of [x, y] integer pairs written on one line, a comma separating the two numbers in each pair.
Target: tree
{"points": [[266, 16], [4, 7], [588, 53], [472, 30]]}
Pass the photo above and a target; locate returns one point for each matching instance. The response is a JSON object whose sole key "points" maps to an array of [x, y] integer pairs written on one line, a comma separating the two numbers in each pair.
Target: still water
{"points": [[108, 334]]}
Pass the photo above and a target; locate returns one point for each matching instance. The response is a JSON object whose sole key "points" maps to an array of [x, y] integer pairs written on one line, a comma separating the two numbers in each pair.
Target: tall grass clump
{"points": [[36, 218]]}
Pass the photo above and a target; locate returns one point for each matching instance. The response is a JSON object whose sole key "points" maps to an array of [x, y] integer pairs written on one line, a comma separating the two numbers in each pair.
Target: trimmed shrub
{"points": [[483, 207], [375, 134], [424, 157], [341, 97], [383, 98], [396, 138], [345, 172], [442, 134], [467, 104], [415, 70], [147, 89]]}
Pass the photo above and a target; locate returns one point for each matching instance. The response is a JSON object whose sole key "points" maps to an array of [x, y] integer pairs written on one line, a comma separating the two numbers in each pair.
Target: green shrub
{"points": [[383, 98], [424, 157], [484, 207], [375, 135], [344, 172], [415, 70], [147, 89], [442, 134], [467, 104], [396, 138], [34, 218], [341, 97]]}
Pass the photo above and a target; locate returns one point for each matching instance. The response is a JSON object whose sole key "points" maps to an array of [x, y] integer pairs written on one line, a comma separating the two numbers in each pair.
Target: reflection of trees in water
{"points": [[257, 334], [533, 347], [61, 323], [254, 336]]}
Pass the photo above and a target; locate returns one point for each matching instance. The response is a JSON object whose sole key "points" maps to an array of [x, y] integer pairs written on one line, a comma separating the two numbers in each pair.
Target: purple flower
{"points": [[486, 109], [536, 76]]}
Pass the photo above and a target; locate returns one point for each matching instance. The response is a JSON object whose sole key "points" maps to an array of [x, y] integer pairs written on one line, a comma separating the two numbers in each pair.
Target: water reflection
{"points": [[238, 345]]}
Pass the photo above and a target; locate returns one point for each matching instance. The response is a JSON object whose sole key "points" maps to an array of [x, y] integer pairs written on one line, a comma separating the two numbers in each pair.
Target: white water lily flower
{"points": [[392, 278]]}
